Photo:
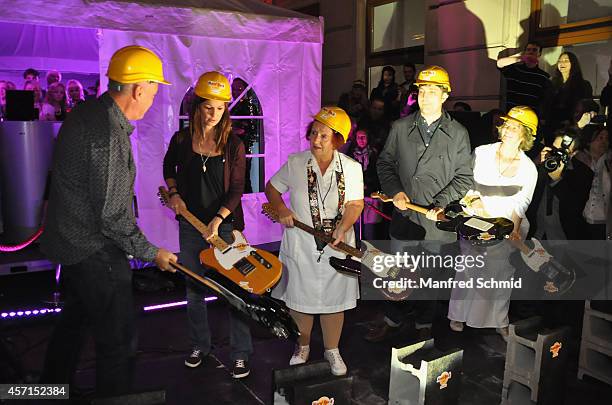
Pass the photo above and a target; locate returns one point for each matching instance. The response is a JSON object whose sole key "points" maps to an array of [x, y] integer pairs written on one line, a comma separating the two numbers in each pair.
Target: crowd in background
{"points": [[53, 102], [570, 202]]}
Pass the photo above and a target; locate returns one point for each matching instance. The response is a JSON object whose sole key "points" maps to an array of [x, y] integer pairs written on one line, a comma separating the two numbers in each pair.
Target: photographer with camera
{"points": [[576, 183], [551, 165]]}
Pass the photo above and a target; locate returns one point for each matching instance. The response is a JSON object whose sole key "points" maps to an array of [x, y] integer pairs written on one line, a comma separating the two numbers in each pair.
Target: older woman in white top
{"points": [[504, 181], [326, 189]]}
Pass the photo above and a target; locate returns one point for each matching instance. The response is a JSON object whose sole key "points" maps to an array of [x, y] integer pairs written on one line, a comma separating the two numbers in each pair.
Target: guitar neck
{"points": [[216, 240], [328, 239], [413, 207]]}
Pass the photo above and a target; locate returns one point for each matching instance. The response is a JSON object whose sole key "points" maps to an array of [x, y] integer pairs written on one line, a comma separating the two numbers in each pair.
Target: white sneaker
{"points": [[456, 326], [335, 361], [300, 355]]}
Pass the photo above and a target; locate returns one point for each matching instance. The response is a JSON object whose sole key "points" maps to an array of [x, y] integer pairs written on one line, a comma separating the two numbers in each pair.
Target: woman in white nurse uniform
{"points": [[326, 190]]}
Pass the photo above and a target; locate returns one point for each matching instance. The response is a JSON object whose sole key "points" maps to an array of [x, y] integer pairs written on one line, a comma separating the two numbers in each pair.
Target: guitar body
{"points": [[353, 266], [473, 228], [556, 277], [268, 312], [502, 227], [253, 269]]}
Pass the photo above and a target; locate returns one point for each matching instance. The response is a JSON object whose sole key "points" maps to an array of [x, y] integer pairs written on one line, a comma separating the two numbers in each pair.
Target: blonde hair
{"points": [[527, 137], [77, 83], [49, 99]]}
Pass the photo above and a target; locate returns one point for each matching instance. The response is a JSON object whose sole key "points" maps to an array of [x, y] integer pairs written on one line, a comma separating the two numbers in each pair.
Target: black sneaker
{"points": [[241, 369], [194, 359]]}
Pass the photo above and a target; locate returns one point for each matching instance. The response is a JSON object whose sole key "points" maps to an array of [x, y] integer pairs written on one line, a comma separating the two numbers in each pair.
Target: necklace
{"points": [[499, 167], [321, 197], [202, 157]]}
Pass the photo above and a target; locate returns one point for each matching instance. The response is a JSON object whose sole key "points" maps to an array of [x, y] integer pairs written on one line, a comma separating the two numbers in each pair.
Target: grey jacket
{"points": [[430, 176]]}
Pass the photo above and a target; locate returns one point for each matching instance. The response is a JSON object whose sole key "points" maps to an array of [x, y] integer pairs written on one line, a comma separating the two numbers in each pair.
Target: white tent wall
{"points": [[72, 51], [279, 51], [285, 77]]}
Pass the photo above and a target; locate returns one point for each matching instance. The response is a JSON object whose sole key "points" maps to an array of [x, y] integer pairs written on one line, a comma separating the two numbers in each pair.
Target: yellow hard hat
{"points": [[434, 75], [134, 64], [336, 119], [213, 86], [524, 116]]}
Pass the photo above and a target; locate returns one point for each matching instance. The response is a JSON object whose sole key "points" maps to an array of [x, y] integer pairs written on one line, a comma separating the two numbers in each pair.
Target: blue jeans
{"points": [[191, 244]]}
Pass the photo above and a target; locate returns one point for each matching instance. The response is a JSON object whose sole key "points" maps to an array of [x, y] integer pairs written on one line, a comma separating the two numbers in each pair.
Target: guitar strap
{"points": [[326, 225]]}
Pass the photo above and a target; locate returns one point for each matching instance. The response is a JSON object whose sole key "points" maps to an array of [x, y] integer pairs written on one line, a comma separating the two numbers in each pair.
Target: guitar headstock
{"points": [[163, 195], [381, 196], [269, 211]]}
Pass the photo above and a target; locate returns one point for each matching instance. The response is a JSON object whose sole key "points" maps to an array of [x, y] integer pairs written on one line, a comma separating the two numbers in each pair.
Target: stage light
{"points": [[173, 304], [29, 312], [48, 311]]}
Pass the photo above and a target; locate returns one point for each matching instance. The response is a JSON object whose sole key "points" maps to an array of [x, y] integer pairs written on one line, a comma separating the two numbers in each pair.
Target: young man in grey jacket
{"points": [[426, 161]]}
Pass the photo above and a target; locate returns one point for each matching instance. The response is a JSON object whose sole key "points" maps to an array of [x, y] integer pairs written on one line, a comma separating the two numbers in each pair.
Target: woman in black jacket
{"points": [[568, 88], [204, 169], [389, 91]]}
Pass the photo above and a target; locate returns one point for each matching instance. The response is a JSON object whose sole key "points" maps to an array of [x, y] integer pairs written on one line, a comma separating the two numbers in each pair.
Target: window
{"points": [[567, 22], [559, 12], [395, 34], [247, 124], [397, 25], [594, 61]]}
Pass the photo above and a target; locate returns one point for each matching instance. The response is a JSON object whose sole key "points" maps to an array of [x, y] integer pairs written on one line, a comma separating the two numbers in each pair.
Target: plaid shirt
{"points": [[92, 187]]}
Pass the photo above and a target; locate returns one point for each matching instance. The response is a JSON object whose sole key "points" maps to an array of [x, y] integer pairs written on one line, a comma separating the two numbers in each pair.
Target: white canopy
{"points": [[275, 50]]}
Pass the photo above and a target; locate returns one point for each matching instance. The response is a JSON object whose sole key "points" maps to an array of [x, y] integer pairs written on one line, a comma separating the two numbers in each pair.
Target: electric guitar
{"points": [[266, 311], [255, 270], [358, 258], [467, 227], [557, 278]]}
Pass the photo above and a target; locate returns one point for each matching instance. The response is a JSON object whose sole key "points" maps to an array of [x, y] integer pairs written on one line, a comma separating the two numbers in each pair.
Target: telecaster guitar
{"points": [[358, 258], [266, 311], [557, 278], [467, 227], [255, 270]]}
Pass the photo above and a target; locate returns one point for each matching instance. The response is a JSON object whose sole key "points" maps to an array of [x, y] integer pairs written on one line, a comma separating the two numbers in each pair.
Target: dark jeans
{"points": [[98, 294], [191, 244], [420, 305]]}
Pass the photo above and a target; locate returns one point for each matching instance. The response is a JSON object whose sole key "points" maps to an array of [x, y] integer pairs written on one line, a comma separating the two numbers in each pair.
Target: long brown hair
{"points": [[222, 129]]}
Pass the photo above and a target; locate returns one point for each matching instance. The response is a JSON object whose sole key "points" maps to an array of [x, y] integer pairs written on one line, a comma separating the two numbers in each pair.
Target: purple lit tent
{"points": [[276, 50]]}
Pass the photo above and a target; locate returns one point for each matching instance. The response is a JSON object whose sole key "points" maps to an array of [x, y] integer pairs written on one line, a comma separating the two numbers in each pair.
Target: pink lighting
{"points": [[173, 304], [29, 312], [43, 311], [15, 248]]}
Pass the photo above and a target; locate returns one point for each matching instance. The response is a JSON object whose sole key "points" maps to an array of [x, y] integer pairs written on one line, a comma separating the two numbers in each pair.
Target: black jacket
{"points": [[179, 154], [430, 176]]}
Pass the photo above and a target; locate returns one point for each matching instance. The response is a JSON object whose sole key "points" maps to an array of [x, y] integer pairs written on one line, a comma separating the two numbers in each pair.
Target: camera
{"points": [[598, 119], [558, 155]]}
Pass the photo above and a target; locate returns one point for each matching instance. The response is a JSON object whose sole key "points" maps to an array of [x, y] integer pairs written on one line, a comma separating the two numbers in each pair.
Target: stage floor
{"points": [[163, 345]]}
